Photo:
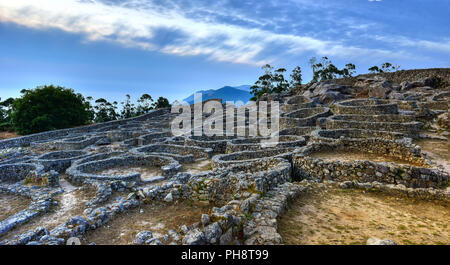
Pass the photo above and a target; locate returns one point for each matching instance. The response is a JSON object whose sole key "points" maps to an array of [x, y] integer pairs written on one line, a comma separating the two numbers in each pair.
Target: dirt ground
{"points": [[437, 150], [70, 203], [197, 166], [341, 217], [12, 204], [7, 135], [157, 217], [147, 172]]}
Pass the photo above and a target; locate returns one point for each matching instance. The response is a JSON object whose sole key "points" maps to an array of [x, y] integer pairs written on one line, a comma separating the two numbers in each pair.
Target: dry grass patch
{"points": [[336, 216], [7, 135], [157, 217], [198, 166], [12, 204]]}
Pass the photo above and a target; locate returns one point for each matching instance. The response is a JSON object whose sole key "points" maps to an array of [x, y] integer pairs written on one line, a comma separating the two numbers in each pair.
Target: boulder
{"points": [[377, 241], [212, 233], [194, 237], [227, 238], [380, 89], [142, 237]]}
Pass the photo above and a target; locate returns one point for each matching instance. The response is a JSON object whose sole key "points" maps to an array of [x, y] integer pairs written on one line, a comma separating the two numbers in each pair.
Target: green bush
{"points": [[48, 108], [161, 103]]}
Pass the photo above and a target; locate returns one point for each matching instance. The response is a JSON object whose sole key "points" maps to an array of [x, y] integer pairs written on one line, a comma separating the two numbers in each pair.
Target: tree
{"points": [[326, 70], [281, 84], [47, 108], [385, 68], [105, 111], [296, 77], [269, 82], [388, 67], [5, 114], [161, 103], [348, 70], [374, 70], [90, 108], [128, 109], [145, 104]]}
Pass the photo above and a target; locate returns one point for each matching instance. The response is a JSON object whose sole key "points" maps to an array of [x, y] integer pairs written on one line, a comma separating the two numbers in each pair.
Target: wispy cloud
{"points": [[137, 23]]}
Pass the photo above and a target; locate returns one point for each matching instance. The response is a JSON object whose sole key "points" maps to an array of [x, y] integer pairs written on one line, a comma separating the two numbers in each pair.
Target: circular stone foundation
{"points": [[317, 163], [255, 144], [60, 160], [365, 107], [94, 169], [392, 123], [225, 160], [303, 117]]}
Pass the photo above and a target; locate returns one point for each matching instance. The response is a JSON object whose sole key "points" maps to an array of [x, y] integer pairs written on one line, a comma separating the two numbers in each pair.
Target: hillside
{"points": [[406, 75]]}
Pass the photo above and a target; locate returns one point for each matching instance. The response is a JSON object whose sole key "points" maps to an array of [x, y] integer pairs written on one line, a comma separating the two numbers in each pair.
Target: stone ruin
{"points": [[247, 186]]}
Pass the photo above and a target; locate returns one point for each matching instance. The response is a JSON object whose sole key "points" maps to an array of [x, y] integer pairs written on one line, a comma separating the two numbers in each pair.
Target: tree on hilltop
{"points": [[47, 108]]}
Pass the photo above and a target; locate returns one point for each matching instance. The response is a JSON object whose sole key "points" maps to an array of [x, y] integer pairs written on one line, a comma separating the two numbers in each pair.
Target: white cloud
{"points": [[136, 23]]}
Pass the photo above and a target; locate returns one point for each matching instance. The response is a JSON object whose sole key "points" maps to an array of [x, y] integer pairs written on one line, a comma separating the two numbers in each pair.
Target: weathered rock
{"points": [[212, 233], [194, 237], [377, 241], [142, 237], [227, 237], [169, 197], [205, 219]]}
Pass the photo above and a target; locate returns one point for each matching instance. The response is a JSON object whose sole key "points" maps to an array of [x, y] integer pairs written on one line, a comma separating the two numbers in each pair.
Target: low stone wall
{"points": [[305, 167], [365, 107], [434, 105], [257, 176], [60, 160], [303, 117], [255, 144], [443, 96], [391, 123], [14, 158], [74, 143], [96, 157], [217, 143], [407, 105], [330, 136], [41, 202], [148, 138], [26, 140], [297, 102], [374, 142], [262, 228], [19, 171], [226, 160], [184, 153]]}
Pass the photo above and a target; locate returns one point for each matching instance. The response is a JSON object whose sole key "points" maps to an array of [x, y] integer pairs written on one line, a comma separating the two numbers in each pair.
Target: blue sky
{"points": [[108, 48]]}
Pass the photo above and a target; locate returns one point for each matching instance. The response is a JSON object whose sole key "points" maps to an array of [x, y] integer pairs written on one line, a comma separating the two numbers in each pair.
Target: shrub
{"points": [[48, 108]]}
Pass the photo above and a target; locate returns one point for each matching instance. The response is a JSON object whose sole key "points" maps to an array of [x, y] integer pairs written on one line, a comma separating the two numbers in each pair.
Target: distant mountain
{"points": [[226, 93], [243, 87]]}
